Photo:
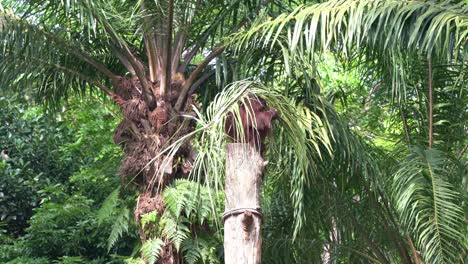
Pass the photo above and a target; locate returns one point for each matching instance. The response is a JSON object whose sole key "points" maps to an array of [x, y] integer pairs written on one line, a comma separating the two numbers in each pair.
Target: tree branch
{"points": [[134, 61], [460, 155], [429, 84], [188, 83], [167, 82], [177, 52], [416, 258], [150, 45], [200, 81]]}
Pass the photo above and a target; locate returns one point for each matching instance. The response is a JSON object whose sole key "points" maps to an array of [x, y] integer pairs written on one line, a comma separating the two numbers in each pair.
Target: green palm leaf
{"points": [[429, 206], [305, 136], [387, 35], [427, 26]]}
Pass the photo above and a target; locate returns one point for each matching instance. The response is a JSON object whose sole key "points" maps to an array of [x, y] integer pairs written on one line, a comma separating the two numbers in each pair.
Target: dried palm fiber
{"points": [[159, 116], [129, 167], [138, 88], [122, 132], [187, 166], [137, 161], [191, 102], [124, 88], [148, 203], [135, 109]]}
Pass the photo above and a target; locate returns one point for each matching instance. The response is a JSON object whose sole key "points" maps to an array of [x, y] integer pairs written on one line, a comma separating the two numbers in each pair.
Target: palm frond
{"points": [[388, 35], [429, 206], [39, 55], [426, 26], [305, 135]]}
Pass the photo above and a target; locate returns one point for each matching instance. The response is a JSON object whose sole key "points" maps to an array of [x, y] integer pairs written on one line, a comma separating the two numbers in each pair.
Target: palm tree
{"points": [[151, 58], [398, 42]]}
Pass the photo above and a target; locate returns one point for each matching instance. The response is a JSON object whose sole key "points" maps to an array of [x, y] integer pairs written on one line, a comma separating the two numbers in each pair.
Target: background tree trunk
{"points": [[242, 217]]}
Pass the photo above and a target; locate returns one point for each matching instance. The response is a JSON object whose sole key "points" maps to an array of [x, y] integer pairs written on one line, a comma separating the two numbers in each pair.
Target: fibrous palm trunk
{"points": [[144, 133]]}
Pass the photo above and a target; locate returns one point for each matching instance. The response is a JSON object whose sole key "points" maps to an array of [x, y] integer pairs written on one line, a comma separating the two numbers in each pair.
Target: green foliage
{"points": [[71, 168], [22, 260], [187, 221], [430, 205], [326, 189], [11, 249], [31, 159], [119, 227], [65, 228], [151, 249]]}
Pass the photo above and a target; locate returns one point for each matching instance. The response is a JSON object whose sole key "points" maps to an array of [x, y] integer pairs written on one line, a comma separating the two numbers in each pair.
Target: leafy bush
{"points": [[65, 228], [54, 177], [30, 159]]}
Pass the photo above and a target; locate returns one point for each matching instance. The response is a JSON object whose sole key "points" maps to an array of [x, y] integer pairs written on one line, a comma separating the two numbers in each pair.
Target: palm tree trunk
{"points": [[242, 217]]}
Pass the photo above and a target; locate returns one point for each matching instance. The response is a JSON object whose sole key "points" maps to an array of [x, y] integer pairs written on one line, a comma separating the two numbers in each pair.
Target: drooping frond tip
{"points": [[429, 205], [427, 27]]}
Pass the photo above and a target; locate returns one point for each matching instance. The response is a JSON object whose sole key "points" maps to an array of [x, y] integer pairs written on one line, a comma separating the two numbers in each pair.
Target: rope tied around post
{"points": [[236, 211]]}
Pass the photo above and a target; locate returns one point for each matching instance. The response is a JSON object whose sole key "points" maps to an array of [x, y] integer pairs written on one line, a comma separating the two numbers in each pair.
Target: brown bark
{"points": [[416, 256], [242, 217]]}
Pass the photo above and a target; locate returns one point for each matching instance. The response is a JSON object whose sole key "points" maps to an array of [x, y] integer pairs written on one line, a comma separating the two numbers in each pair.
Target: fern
{"points": [[175, 200], [200, 248], [151, 249], [187, 203], [192, 250], [429, 206], [149, 218], [119, 227], [109, 206], [175, 229], [190, 198]]}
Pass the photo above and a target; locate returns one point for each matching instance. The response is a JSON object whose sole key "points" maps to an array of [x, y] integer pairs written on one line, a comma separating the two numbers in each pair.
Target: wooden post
{"points": [[243, 217]]}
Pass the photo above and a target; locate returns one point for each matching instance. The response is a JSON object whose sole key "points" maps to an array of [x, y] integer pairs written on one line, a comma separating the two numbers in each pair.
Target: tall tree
{"points": [[152, 57], [149, 57], [396, 40]]}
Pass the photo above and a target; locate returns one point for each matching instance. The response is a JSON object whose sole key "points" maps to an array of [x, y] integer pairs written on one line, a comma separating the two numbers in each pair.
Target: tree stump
{"points": [[242, 217]]}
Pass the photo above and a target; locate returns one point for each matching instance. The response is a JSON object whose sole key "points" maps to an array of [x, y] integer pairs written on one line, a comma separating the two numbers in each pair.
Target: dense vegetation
{"points": [[112, 133]]}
